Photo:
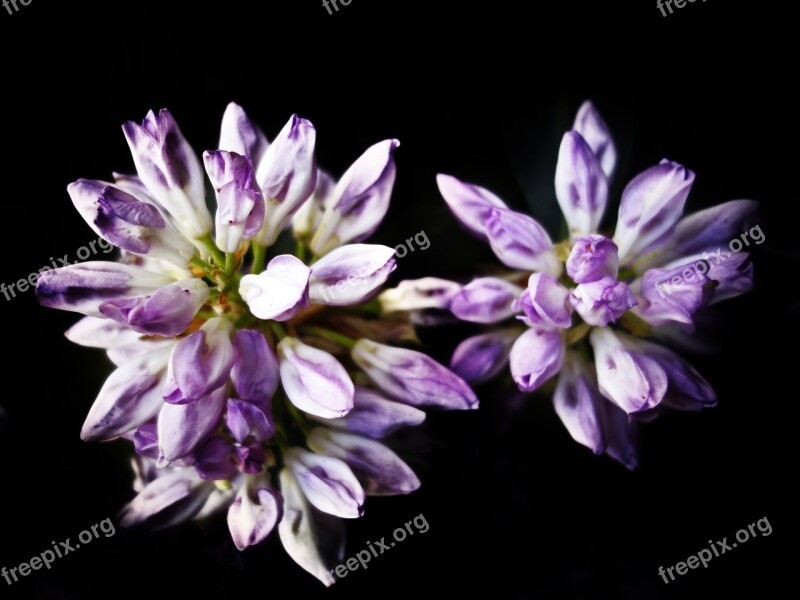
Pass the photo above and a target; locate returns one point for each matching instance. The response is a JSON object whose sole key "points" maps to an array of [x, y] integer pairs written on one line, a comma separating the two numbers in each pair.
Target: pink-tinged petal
{"points": [[520, 242], [375, 415], [419, 294], [626, 375], [167, 312], [546, 303], [239, 134], [350, 274], [130, 397], [360, 200], [650, 208], [255, 373], [314, 539], [327, 482], [170, 169], [602, 302], [254, 513], [181, 427], [470, 204], [287, 176], [314, 381], [278, 293], [201, 362], [581, 185], [592, 257], [535, 357], [594, 130], [481, 357], [379, 470], [485, 300], [412, 377]]}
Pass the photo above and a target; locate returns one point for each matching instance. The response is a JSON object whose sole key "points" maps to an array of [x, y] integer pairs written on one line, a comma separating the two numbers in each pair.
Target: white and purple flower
{"points": [[236, 364], [593, 294]]}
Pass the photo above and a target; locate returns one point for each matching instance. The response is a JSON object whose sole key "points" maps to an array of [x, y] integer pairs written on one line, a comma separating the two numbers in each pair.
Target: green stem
{"points": [[333, 336], [215, 252], [200, 263], [259, 255], [230, 263], [278, 329], [301, 251]]}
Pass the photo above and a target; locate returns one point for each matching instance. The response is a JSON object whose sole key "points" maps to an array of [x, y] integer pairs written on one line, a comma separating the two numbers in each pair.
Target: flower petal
{"points": [[255, 373], [314, 381], [481, 357], [419, 294], [675, 294], [376, 416], [535, 357], [327, 482], [592, 257], [470, 204], [181, 427], [591, 126], [167, 500], [485, 300], [602, 302], [379, 470], [520, 242], [254, 513], [546, 303], [278, 293], [350, 274], [581, 185], [247, 421], [239, 134]]}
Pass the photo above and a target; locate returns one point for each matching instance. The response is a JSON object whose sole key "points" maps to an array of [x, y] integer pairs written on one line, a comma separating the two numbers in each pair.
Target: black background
{"points": [[483, 91]]}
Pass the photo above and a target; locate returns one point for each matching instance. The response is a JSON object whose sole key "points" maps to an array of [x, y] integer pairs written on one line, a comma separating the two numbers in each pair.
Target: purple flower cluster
{"points": [[246, 384], [581, 309]]}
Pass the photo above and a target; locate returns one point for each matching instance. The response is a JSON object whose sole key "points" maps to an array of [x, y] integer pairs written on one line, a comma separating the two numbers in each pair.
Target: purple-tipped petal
{"points": [[592, 257], [254, 513], [181, 427], [240, 204], [101, 333], [84, 288], [239, 134], [481, 357], [247, 421], [278, 293], [485, 300], [703, 231], [130, 397], [314, 539], [579, 405], [675, 294], [201, 362], [627, 376], [650, 208], [622, 437], [602, 302], [470, 204], [581, 185], [734, 276], [215, 459], [520, 242], [592, 128], [167, 312], [376, 416], [169, 168], [412, 377], [350, 274], [379, 470], [419, 294], [360, 200], [535, 357], [255, 373], [327, 482], [546, 303], [314, 381], [287, 176]]}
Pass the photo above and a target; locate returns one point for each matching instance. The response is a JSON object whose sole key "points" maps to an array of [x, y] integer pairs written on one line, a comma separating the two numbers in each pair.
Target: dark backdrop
{"points": [[483, 91]]}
